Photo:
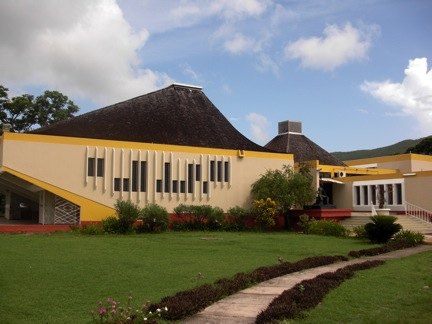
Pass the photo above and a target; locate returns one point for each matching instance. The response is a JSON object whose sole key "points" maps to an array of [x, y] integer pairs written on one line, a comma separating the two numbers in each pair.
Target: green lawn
{"points": [[400, 291], [60, 278]]}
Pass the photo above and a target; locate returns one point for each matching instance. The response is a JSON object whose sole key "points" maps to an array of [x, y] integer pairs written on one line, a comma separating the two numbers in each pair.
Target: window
{"points": [[158, 185], [167, 177], [226, 174], [126, 184], [190, 177], [212, 171], [399, 193], [219, 171], [390, 194], [175, 186], [198, 172], [357, 195], [365, 195], [91, 167], [134, 175], [205, 187], [100, 167], [182, 186], [143, 179], [373, 194], [117, 184]]}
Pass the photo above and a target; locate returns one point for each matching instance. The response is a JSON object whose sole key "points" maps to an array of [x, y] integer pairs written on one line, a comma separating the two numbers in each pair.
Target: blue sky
{"points": [[356, 73]]}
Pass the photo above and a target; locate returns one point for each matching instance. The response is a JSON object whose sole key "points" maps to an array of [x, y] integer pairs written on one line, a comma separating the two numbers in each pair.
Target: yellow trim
{"points": [[391, 158], [51, 139], [90, 210], [396, 175]]}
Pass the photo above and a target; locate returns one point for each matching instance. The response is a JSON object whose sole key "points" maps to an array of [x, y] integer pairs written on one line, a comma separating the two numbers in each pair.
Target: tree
{"points": [[423, 147], [286, 187], [25, 112]]}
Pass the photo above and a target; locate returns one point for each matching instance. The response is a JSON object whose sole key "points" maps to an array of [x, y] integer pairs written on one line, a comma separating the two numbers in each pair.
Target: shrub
{"points": [[382, 228], [110, 225], [304, 221], [91, 229], [127, 213], [359, 231], [326, 228], [407, 238], [235, 220], [154, 219], [198, 217], [265, 211]]}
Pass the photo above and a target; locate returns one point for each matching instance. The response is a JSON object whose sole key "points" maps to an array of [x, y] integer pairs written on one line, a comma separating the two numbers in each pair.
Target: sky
{"points": [[357, 74]]}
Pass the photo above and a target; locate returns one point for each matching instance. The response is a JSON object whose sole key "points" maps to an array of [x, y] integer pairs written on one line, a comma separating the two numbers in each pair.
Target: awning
{"points": [[331, 180]]}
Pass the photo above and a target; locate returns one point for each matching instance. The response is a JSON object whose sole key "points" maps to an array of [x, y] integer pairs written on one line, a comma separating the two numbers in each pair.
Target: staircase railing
{"points": [[416, 211]]}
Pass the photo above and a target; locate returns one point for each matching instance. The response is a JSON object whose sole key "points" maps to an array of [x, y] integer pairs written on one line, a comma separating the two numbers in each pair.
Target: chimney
{"points": [[290, 127]]}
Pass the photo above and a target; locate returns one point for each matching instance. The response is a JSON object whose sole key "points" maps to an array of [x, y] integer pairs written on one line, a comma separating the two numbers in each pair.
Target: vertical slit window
{"points": [[198, 172], [158, 185], [390, 194], [143, 178], [182, 186], [205, 187], [126, 184], [134, 175], [100, 167], [116, 184], [399, 193], [91, 167], [365, 195], [190, 178], [357, 195], [175, 186], [212, 171], [219, 171], [167, 177], [373, 194], [226, 174]]}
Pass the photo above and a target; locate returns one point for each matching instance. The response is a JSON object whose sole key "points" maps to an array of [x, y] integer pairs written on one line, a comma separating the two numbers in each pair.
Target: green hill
{"points": [[398, 148]]}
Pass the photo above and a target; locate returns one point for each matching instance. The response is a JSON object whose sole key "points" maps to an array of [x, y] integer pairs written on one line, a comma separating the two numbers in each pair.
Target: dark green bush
{"points": [[235, 219], [154, 219], [91, 229], [382, 228], [127, 213], [326, 228], [198, 217], [408, 238], [110, 225]]}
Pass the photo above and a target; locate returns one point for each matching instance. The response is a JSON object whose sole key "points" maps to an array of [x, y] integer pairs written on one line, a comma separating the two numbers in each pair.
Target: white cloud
{"points": [[259, 126], [191, 73], [413, 96], [82, 48], [336, 47], [239, 44]]}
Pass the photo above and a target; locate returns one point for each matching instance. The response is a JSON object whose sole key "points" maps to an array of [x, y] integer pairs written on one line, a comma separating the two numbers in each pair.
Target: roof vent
{"points": [[293, 127]]}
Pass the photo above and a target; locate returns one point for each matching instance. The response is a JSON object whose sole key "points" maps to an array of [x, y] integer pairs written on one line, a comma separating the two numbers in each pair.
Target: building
{"points": [[169, 147]]}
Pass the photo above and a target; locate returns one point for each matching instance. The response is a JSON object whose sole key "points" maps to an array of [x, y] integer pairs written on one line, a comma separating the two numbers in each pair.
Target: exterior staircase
{"points": [[408, 222]]}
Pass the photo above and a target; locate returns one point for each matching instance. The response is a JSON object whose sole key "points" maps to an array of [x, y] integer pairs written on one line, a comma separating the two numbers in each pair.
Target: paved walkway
{"points": [[244, 306]]}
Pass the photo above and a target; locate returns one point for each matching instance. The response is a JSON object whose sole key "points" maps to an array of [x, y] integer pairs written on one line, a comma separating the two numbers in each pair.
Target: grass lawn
{"points": [[59, 278], [400, 291]]}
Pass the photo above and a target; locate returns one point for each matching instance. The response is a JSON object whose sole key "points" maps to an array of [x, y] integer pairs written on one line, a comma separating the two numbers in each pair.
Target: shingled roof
{"points": [[178, 115], [291, 140]]}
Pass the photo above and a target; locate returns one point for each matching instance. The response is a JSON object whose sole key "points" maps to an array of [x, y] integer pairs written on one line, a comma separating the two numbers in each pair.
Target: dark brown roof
{"points": [[302, 148], [178, 115]]}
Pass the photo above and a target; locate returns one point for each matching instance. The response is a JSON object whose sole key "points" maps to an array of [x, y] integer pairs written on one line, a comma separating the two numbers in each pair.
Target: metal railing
{"points": [[416, 211]]}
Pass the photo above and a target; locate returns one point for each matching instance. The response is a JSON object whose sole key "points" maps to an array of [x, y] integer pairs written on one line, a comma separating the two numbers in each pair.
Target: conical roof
{"points": [[177, 115], [303, 149]]}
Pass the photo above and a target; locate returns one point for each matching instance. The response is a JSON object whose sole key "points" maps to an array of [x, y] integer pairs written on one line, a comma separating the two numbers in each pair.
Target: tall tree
{"points": [[25, 112]]}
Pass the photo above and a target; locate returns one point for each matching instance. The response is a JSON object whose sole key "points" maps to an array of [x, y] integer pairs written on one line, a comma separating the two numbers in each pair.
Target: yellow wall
{"points": [[58, 164]]}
